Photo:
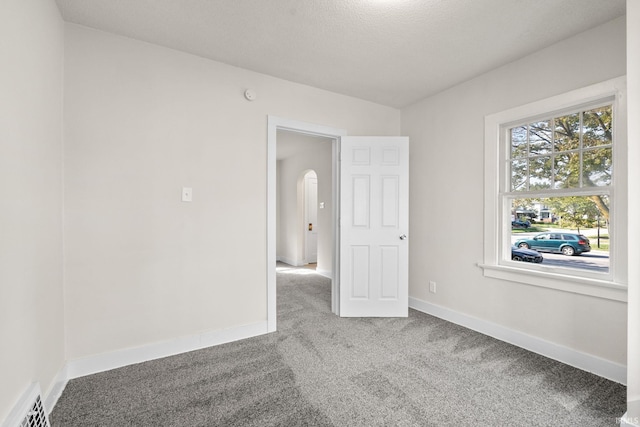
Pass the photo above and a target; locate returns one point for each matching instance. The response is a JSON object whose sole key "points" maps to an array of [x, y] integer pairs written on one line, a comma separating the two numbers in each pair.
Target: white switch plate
{"points": [[187, 194], [321, 205]]}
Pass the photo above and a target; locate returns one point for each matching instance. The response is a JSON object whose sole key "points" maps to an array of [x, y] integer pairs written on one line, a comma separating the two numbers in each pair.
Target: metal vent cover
{"points": [[36, 416]]}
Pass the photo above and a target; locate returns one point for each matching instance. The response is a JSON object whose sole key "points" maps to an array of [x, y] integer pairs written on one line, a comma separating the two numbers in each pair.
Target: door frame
{"points": [[273, 125]]}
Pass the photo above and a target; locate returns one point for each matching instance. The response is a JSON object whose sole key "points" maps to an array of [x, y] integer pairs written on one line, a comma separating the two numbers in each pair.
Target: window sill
{"points": [[579, 285]]}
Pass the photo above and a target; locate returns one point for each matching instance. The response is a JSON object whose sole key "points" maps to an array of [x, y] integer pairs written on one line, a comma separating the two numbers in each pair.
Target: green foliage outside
{"points": [[573, 151], [574, 212], [565, 152]]}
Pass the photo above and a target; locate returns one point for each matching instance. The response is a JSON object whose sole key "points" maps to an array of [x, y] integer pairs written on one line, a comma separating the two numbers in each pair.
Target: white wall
{"points": [[142, 121], [633, 106], [446, 193], [290, 231], [31, 305]]}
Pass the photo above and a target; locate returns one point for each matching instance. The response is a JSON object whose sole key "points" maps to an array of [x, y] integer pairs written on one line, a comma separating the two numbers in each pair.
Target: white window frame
{"points": [[497, 230]]}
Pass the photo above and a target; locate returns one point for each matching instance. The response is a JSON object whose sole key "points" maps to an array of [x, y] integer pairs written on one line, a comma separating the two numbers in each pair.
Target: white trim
{"points": [[587, 362], [325, 273], [290, 261], [335, 253], [50, 399], [119, 358], [129, 356], [497, 231], [23, 404], [553, 280], [273, 125]]}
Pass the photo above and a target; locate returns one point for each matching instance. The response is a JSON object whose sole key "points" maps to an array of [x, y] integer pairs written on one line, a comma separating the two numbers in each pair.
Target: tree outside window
{"points": [[561, 170]]}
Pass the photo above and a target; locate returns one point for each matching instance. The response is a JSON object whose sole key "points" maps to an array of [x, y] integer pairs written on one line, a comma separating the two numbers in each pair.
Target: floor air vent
{"points": [[36, 416], [29, 411]]}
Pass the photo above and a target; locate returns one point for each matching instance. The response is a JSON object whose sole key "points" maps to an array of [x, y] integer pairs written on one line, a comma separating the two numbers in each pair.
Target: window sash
{"points": [[552, 154]]}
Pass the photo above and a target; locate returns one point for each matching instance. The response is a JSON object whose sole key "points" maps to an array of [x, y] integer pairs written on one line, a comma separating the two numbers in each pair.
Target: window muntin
{"points": [[560, 174], [562, 152]]}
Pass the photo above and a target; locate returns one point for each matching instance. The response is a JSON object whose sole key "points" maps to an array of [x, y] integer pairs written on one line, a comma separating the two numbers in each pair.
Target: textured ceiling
{"points": [[393, 52]]}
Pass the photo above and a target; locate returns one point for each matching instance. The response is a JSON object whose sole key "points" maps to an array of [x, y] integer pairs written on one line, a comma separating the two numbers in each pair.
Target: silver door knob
{"points": [[403, 237]]}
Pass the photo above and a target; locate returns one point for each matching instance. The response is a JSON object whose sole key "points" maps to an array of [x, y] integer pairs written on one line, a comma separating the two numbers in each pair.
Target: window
{"points": [[568, 154], [556, 183]]}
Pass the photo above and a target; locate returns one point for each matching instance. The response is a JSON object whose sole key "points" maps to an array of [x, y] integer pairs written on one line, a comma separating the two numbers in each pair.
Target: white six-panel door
{"points": [[374, 226]]}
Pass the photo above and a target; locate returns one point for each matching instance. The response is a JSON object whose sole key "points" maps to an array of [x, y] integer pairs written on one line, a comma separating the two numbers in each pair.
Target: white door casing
{"points": [[374, 226], [273, 125], [311, 217]]}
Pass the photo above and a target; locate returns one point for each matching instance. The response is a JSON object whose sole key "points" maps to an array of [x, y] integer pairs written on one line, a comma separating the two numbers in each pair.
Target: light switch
{"points": [[321, 205], [187, 194]]}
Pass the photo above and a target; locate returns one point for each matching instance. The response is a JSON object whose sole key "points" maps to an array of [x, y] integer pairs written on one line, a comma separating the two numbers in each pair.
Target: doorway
{"points": [[274, 125]]}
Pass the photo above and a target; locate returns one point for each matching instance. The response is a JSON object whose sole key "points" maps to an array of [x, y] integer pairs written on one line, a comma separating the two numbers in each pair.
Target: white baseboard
{"points": [[24, 404], [325, 273], [290, 261], [129, 356], [50, 398], [587, 362], [119, 358]]}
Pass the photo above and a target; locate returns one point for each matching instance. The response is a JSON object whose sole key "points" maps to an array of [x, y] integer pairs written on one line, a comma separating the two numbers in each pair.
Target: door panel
{"points": [[361, 201], [389, 269], [360, 272], [374, 221], [390, 201]]}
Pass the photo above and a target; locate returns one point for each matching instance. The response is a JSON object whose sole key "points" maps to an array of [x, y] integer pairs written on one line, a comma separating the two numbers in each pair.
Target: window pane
{"points": [[540, 137], [519, 175], [567, 170], [597, 167], [518, 142], [540, 173], [567, 132], [569, 232], [597, 127]]}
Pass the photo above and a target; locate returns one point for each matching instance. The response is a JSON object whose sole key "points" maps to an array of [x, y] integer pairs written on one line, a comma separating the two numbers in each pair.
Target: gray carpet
{"points": [[321, 370]]}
